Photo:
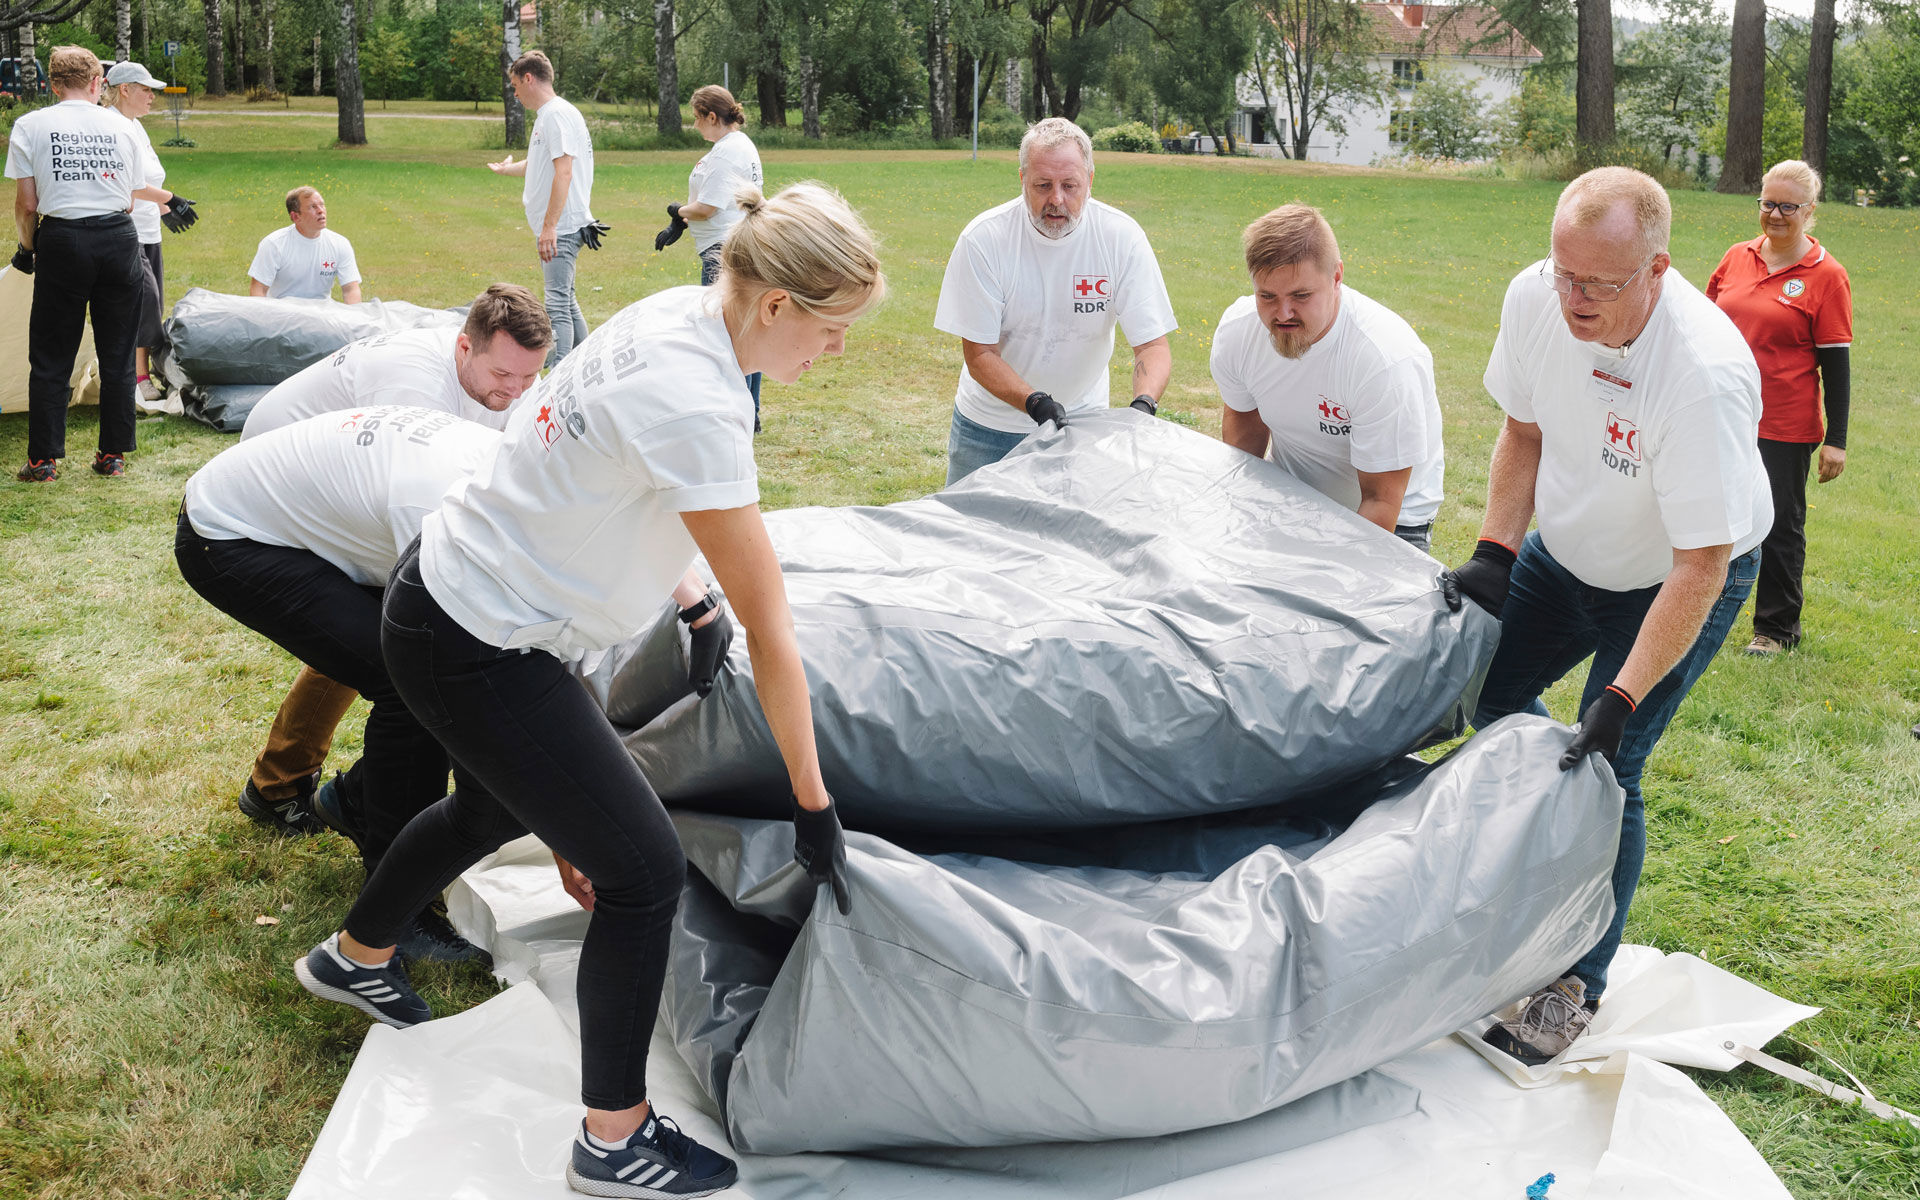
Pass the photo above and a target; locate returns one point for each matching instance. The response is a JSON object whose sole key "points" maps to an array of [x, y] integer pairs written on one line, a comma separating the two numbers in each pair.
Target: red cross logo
{"points": [[108, 175], [548, 427], [327, 265], [546, 413], [1623, 436], [1086, 287], [1331, 411]]}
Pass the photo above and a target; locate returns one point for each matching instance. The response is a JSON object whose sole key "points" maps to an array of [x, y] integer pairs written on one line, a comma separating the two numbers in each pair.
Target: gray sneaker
{"points": [[1548, 1024]]}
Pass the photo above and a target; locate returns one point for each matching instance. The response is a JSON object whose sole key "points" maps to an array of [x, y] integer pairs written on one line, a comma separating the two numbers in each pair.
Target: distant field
{"points": [[155, 1042]]}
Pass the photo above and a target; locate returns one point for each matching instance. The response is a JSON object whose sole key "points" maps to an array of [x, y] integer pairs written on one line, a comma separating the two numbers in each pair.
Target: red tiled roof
{"points": [[1448, 29]]}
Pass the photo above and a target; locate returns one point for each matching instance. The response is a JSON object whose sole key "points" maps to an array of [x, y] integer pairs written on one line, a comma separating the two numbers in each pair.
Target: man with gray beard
{"points": [[1334, 387], [1033, 291]]}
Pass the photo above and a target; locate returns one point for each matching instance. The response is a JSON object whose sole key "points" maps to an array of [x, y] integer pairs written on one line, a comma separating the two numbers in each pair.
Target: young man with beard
{"points": [[1034, 290], [1334, 387]]}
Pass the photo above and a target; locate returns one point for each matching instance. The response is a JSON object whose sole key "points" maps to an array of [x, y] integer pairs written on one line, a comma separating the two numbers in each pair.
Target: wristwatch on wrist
{"points": [[699, 608]]}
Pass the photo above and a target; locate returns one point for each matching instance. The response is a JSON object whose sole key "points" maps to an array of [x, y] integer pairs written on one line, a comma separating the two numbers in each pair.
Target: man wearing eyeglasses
{"points": [[1632, 408]]}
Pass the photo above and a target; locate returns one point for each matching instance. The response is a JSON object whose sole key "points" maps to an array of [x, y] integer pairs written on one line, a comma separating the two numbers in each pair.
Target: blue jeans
{"points": [[569, 325], [710, 271], [1550, 623], [972, 445]]}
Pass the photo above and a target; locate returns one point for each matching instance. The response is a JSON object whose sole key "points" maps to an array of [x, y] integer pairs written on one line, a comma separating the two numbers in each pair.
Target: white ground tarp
{"points": [[16, 306]]}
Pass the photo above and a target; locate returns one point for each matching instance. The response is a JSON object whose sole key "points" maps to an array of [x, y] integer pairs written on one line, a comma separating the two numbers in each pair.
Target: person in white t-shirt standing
{"points": [[478, 373], [1333, 386], [77, 169], [133, 89], [304, 259], [1034, 290], [557, 195], [713, 190], [1632, 414]]}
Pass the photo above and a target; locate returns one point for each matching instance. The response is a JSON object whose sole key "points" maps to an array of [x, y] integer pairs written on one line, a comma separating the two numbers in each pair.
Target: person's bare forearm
{"points": [[350, 292], [256, 288], [1673, 623], [1381, 495], [557, 195], [26, 211], [1244, 431], [691, 211], [1152, 368], [690, 591], [152, 195], [993, 373], [1510, 484]]}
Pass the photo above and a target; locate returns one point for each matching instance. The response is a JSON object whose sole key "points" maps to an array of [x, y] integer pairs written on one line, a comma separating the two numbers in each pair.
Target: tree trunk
{"points": [[237, 62], [1014, 89], [769, 70], [122, 30], [809, 76], [939, 70], [1746, 99], [666, 67], [1813, 136], [29, 64], [346, 80], [258, 20], [316, 64], [1593, 83], [516, 116], [216, 49], [267, 79]]}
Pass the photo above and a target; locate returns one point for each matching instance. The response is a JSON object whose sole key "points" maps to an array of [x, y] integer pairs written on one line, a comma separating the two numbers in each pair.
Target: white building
{"points": [[1415, 41]]}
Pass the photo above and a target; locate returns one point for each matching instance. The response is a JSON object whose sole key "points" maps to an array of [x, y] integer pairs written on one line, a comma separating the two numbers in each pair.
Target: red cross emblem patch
{"points": [[1090, 287], [1623, 437]]}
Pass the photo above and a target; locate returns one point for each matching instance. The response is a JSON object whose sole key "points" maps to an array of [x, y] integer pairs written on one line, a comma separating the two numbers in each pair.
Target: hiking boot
{"points": [[1548, 1024], [38, 470], [336, 805], [110, 465], [291, 816], [382, 992], [657, 1162], [1763, 646], [434, 939]]}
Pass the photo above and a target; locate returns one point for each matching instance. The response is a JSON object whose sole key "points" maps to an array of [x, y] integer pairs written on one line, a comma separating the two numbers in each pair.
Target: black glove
{"points": [[821, 850], [22, 259], [1600, 728], [590, 234], [1043, 408], [671, 234], [178, 215], [1146, 404], [1483, 578], [709, 650]]}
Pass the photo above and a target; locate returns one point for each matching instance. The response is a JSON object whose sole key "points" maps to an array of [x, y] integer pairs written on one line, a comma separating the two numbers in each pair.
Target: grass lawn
{"points": [[153, 1041]]}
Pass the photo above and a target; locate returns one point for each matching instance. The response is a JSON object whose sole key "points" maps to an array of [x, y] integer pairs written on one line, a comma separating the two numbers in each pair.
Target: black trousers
{"points": [[307, 606], [90, 264], [153, 298], [1778, 595], [532, 751]]}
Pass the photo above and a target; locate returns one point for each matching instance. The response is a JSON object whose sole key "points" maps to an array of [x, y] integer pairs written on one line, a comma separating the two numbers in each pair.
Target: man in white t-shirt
{"points": [[1033, 291], [478, 373], [1335, 388], [1632, 422], [304, 259], [557, 195]]}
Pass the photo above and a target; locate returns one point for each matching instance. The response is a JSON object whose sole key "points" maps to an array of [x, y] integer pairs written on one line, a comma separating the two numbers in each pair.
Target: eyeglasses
{"points": [[1599, 293], [1785, 210]]}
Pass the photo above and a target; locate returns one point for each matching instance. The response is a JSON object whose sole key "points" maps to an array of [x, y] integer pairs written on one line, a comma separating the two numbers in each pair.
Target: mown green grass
{"points": [[152, 1042]]}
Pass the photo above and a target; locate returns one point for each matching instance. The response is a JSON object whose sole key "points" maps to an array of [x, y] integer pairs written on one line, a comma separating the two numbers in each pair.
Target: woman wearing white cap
{"points": [[131, 92]]}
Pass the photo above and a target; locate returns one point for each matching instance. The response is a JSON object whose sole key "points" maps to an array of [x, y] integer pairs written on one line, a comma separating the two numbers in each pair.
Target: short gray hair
{"points": [[1054, 132], [1594, 196]]}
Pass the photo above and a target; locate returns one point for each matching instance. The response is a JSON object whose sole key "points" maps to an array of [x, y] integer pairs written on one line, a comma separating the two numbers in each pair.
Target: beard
{"points": [[1289, 343], [1040, 223]]}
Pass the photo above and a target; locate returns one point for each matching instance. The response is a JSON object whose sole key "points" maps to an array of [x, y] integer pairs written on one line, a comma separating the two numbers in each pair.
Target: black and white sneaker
{"points": [[293, 815], [657, 1162], [382, 992]]}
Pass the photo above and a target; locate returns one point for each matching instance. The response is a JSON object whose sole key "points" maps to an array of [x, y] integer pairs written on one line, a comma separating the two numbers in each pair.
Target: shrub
{"points": [[1134, 137]]}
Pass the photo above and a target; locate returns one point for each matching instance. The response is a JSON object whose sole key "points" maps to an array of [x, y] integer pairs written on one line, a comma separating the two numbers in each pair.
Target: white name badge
{"points": [[1609, 389]]}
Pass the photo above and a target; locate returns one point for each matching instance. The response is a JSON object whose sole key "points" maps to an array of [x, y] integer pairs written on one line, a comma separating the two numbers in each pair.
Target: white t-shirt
{"points": [[1645, 450], [1360, 399], [80, 157], [292, 265], [1051, 305], [717, 178], [415, 368], [558, 131], [146, 214], [571, 539], [352, 487]]}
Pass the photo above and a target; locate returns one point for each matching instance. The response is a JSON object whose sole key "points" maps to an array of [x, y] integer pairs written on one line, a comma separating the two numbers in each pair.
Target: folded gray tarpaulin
{"points": [[219, 338], [222, 405], [1203, 975], [1121, 621]]}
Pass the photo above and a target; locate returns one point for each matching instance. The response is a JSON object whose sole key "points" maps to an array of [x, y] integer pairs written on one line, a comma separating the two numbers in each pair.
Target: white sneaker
{"points": [[1548, 1024]]}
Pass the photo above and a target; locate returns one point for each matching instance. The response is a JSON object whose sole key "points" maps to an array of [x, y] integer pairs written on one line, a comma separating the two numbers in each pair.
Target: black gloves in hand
{"points": [[1601, 727], [709, 650], [22, 259], [1146, 404], [821, 850], [177, 214], [1483, 578], [1043, 408], [590, 235], [671, 234]]}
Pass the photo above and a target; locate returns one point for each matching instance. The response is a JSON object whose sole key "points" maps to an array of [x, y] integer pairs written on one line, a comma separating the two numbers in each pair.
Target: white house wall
{"points": [[1366, 141]]}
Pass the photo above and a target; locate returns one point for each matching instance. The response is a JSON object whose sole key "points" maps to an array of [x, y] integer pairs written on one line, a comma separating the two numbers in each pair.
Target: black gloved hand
{"points": [[590, 234], [178, 215], [1043, 408], [821, 850], [671, 234], [1484, 578], [1146, 404], [22, 259], [709, 650], [1601, 727]]}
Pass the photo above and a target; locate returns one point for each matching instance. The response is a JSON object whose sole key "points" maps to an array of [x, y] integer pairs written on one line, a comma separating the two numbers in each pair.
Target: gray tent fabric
{"points": [[1124, 620], [973, 1000], [222, 405], [218, 338]]}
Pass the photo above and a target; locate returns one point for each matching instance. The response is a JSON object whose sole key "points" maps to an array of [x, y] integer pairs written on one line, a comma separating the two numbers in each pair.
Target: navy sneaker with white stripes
{"points": [[657, 1162], [382, 992]]}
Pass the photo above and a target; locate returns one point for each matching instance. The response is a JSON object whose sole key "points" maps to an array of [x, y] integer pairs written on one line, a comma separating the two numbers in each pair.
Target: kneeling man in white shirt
{"points": [[304, 259]]}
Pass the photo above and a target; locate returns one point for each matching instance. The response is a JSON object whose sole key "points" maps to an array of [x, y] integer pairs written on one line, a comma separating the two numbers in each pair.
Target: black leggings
{"points": [[532, 751]]}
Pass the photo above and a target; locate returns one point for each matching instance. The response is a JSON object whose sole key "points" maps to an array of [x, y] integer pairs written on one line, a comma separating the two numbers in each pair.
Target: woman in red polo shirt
{"points": [[1793, 302]]}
